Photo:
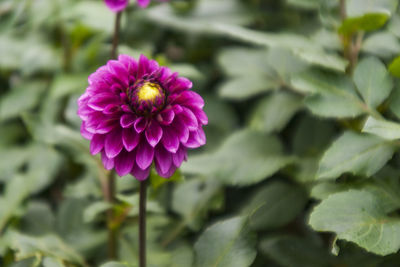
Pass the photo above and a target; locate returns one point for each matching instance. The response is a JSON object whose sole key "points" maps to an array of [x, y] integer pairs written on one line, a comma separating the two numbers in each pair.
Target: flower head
{"points": [[119, 5], [116, 5], [136, 113]]}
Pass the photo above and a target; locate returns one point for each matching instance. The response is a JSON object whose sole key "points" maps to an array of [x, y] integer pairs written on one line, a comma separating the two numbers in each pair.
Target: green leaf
{"points": [[117, 264], [354, 153], [357, 8], [226, 243], [382, 128], [367, 22], [22, 98], [157, 181], [357, 216], [48, 245], [270, 201], [245, 87], [273, 112], [372, 81], [67, 84], [292, 251], [382, 44], [192, 200], [331, 96], [394, 67], [94, 209], [38, 219], [260, 156]]}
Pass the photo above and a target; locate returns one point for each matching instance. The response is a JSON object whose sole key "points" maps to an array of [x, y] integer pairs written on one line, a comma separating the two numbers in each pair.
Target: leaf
{"points": [[273, 112], [48, 245], [38, 219], [292, 251], [366, 22], [331, 96], [66, 84], [226, 243], [260, 156], [243, 88], [381, 44], [357, 216], [354, 153], [372, 81], [117, 264], [192, 200], [357, 8], [276, 204], [382, 128], [394, 67], [22, 98], [94, 209]]}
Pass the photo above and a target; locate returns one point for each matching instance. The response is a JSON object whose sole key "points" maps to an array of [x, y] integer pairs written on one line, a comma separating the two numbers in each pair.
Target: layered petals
{"points": [[136, 114]]}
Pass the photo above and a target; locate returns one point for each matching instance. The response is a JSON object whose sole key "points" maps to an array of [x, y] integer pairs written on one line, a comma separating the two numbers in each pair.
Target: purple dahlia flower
{"points": [[136, 112], [119, 5], [116, 5]]}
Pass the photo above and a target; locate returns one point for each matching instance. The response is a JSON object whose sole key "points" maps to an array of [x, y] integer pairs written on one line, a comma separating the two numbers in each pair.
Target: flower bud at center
{"points": [[149, 92]]}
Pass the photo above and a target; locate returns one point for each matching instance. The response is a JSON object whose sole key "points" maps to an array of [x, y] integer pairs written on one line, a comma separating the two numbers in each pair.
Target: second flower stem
{"points": [[116, 35], [142, 223]]}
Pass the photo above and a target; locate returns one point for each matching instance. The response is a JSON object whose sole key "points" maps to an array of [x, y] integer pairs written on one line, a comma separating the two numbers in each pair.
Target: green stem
{"points": [[116, 35], [142, 223]]}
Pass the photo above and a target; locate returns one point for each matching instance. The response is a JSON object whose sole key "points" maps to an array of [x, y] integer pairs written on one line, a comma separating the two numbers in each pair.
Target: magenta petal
{"points": [[146, 66], [168, 173], [100, 101], [153, 133], [124, 162], [143, 3], [97, 143], [170, 140], [196, 139], [179, 156], [119, 70], [200, 115], [182, 130], [87, 135], [113, 144], [140, 174], [140, 124], [144, 155], [130, 138], [127, 120], [163, 159], [107, 162], [166, 116], [129, 63], [189, 119]]}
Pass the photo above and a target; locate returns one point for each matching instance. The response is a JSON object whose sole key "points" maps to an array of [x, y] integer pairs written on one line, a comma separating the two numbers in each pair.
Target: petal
{"points": [[166, 116], [146, 66], [180, 84], [143, 3], [107, 162], [140, 124], [181, 129], [200, 115], [144, 155], [130, 138], [119, 71], [189, 98], [124, 162], [170, 140], [127, 120], [189, 119], [168, 173], [129, 62], [179, 156], [196, 139], [101, 101], [140, 174], [163, 159], [97, 143], [153, 133], [113, 144], [87, 135]]}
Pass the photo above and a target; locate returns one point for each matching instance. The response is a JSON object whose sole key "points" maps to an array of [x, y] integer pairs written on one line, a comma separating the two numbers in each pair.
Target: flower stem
{"points": [[112, 230], [116, 35], [142, 223]]}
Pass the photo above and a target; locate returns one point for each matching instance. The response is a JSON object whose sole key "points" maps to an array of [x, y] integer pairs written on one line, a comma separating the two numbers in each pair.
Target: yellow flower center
{"points": [[148, 92]]}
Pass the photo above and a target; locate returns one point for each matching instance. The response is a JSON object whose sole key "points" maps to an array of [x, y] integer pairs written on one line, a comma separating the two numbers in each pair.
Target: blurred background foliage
{"points": [[301, 167]]}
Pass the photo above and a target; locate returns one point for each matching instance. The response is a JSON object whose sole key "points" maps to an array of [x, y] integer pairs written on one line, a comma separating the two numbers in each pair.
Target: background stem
{"points": [[116, 35], [142, 223]]}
